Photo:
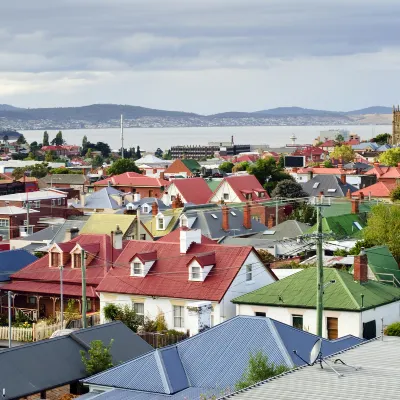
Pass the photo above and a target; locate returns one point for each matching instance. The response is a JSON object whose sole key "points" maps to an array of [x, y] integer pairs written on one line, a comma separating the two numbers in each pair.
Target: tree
{"points": [[84, 142], [49, 156], [39, 170], [98, 357], [339, 139], [45, 138], [138, 153], [354, 251], [104, 148], [125, 314], [281, 161], [382, 138], [390, 157], [344, 153], [242, 166], [89, 153], [158, 153], [34, 148], [305, 213], [266, 256], [259, 369], [18, 172], [395, 194], [123, 165], [58, 140], [226, 167], [383, 227], [289, 189], [328, 164], [97, 161], [167, 155], [21, 139]]}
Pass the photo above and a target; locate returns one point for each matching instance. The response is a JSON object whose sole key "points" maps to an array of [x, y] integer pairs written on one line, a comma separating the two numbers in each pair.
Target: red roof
{"points": [[174, 237], [247, 158], [168, 277], [310, 150], [95, 270], [379, 189], [383, 172], [133, 179], [242, 184], [193, 190], [324, 171]]}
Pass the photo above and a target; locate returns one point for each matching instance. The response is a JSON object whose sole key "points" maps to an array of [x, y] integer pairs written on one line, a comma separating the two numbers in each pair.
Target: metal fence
{"points": [[157, 340]]}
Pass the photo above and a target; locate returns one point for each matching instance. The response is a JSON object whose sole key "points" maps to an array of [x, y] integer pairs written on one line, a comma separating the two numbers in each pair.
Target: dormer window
{"points": [[160, 223], [55, 259], [184, 221], [137, 269], [76, 261], [146, 209], [195, 273]]}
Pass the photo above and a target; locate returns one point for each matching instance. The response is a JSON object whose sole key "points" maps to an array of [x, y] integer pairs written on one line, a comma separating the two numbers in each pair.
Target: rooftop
{"points": [[38, 195], [105, 223], [193, 190]]}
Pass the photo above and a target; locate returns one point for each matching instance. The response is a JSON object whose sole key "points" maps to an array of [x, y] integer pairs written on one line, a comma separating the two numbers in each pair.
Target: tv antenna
{"points": [[316, 357], [122, 136]]}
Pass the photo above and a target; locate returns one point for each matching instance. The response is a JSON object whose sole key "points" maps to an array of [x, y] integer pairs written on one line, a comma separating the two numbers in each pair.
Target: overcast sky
{"points": [[203, 56]]}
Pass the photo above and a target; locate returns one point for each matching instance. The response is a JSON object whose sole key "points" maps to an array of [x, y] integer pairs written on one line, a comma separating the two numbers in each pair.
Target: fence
{"points": [[161, 339], [92, 320], [43, 331], [17, 334]]}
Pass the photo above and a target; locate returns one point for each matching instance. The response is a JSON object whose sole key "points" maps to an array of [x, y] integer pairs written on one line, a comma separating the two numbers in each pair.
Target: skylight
{"points": [[357, 224], [233, 213], [316, 184], [214, 216], [269, 232], [331, 190]]}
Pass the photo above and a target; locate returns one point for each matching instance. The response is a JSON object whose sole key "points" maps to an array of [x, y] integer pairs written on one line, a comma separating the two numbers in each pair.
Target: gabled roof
{"points": [[184, 165], [61, 358], [13, 210], [299, 291], [151, 159], [101, 199], [284, 230], [168, 276], [213, 360], [38, 195], [106, 223], [330, 185], [193, 190], [172, 214], [67, 179], [174, 237], [378, 189], [12, 261], [192, 165], [382, 171], [133, 179]]}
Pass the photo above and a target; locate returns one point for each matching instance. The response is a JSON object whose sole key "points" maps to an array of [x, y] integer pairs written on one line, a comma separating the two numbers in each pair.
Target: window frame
{"points": [[180, 317], [160, 223], [226, 196], [137, 265], [298, 317], [36, 204], [249, 273], [192, 273], [138, 313]]}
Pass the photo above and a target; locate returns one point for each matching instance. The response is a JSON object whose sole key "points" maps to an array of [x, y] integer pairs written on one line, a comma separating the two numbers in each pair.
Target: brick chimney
{"points": [[361, 196], [71, 234], [355, 206], [154, 208], [162, 175], [271, 221], [361, 267], [343, 178], [348, 194], [247, 216], [225, 218]]}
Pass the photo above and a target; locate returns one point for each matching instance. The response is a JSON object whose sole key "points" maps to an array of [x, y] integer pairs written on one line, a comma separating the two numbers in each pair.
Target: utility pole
{"points": [[84, 299], [277, 211], [320, 271], [138, 223], [122, 136], [9, 318], [61, 298]]}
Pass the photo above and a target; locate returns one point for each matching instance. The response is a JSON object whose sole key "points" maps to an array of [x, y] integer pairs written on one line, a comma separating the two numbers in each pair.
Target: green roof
{"points": [[300, 291], [344, 207], [193, 165], [105, 223], [213, 184], [151, 224], [342, 225]]}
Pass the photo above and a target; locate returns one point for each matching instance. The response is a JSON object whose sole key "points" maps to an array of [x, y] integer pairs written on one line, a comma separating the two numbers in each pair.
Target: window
{"points": [[260, 314], [53, 202], [332, 327], [226, 196], [178, 317], [142, 236], [196, 273], [36, 204], [151, 193], [145, 209], [139, 310], [77, 261], [4, 222], [55, 259], [160, 223], [248, 196], [31, 300], [88, 304], [59, 202], [262, 194], [173, 198], [297, 321], [249, 273], [137, 268]]}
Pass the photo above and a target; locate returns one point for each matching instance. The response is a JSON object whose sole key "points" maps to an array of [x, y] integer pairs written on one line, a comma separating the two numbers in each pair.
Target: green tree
{"points": [[104, 148], [34, 148], [159, 153], [226, 167], [21, 139], [339, 140], [18, 172], [58, 140], [354, 251], [242, 166], [84, 142], [98, 357], [259, 369], [97, 161], [382, 138], [383, 227], [49, 156], [328, 164], [395, 194], [126, 314], [344, 153], [138, 153], [123, 165], [167, 155], [45, 138], [266, 256], [390, 157], [89, 153], [304, 212], [289, 189], [281, 162], [39, 170]]}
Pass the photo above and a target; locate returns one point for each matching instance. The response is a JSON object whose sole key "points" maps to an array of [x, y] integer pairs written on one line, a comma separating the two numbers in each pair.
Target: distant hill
{"points": [[295, 111], [371, 110], [7, 107], [12, 135]]}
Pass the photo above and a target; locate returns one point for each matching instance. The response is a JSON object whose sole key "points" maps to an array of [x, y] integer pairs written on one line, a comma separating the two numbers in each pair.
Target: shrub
{"points": [[111, 311], [126, 314], [393, 329], [98, 357]]}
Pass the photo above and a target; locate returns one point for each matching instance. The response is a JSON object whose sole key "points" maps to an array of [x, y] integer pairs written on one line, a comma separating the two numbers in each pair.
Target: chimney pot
{"points": [[154, 208], [247, 216], [225, 218], [355, 206], [361, 267]]}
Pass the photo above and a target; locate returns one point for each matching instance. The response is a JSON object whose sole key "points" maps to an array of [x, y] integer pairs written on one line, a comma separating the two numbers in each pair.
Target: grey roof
{"points": [[284, 230], [50, 363], [214, 359], [377, 378], [209, 220], [325, 183], [358, 165], [12, 261], [101, 199], [67, 179]]}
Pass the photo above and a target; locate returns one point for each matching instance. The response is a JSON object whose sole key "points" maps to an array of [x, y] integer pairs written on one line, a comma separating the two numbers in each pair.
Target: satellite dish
{"points": [[315, 351]]}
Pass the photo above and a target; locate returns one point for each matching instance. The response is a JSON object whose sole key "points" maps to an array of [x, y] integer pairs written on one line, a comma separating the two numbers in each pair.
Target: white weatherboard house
{"points": [[185, 276], [353, 305]]}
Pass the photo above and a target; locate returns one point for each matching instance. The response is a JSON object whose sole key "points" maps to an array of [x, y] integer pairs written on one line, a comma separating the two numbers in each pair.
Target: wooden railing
{"points": [[157, 340], [17, 334]]}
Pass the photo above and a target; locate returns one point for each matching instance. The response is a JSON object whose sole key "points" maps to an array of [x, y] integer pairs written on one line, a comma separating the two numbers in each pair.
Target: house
{"points": [[285, 230], [145, 205], [36, 288], [190, 190], [13, 222], [328, 185], [312, 154], [12, 261], [132, 182], [42, 366], [208, 364], [183, 167], [353, 305], [219, 222], [380, 190], [152, 165], [162, 222], [376, 359], [170, 275], [239, 189], [65, 181], [41, 240], [9, 166], [385, 174], [63, 150], [366, 147]]}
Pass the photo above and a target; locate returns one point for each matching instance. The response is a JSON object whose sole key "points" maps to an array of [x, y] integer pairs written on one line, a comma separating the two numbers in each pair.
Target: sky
{"points": [[203, 56]]}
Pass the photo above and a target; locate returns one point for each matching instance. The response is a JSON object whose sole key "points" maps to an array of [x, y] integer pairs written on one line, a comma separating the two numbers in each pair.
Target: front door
{"points": [[332, 326]]}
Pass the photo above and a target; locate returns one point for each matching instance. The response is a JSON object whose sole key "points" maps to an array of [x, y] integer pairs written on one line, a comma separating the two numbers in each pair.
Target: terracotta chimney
{"points": [[247, 216], [361, 196], [225, 218], [361, 267], [343, 178], [154, 208], [271, 221], [340, 166], [162, 175], [355, 203], [348, 194]]}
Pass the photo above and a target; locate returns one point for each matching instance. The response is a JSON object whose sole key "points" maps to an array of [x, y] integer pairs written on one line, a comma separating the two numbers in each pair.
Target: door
{"points": [[369, 330], [332, 326]]}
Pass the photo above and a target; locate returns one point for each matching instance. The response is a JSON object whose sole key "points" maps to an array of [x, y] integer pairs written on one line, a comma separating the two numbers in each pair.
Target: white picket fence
{"points": [[36, 332]]}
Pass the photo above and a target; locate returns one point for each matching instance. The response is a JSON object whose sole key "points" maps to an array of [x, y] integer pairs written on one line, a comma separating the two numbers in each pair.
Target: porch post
{"points": [[80, 306], [54, 305], [38, 305]]}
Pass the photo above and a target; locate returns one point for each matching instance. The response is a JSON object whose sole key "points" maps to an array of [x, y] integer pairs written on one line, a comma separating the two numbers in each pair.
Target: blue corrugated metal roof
{"points": [[12, 261], [213, 360]]}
